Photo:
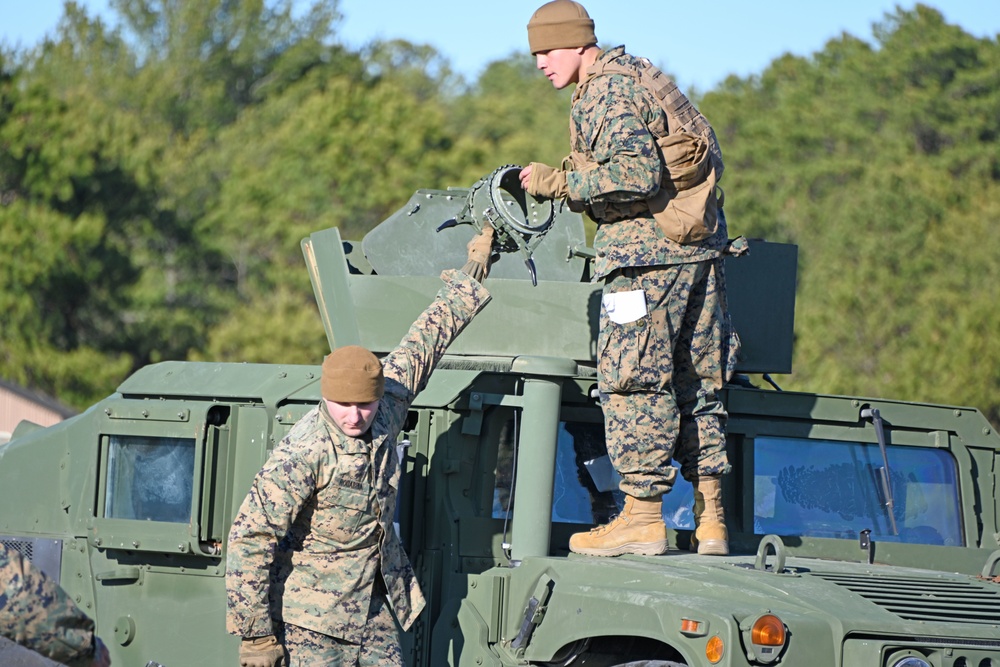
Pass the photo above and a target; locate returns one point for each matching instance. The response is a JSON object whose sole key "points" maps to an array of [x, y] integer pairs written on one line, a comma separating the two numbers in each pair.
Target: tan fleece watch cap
{"points": [[352, 374], [560, 24]]}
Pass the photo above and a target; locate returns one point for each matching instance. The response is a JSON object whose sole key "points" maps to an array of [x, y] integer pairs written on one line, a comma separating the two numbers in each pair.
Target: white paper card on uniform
{"points": [[625, 307]]}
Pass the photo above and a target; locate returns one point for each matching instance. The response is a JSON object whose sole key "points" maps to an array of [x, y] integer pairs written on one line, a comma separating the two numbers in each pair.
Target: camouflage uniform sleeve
{"points": [[411, 363], [612, 127], [39, 615], [279, 491]]}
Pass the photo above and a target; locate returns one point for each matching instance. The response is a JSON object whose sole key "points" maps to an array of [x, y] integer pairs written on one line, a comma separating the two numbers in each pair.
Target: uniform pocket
{"points": [[340, 511], [627, 361]]}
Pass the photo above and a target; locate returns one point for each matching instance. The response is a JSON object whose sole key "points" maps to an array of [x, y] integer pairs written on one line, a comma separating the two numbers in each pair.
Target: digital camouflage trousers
{"points": [[660, 370], [379, 647]]}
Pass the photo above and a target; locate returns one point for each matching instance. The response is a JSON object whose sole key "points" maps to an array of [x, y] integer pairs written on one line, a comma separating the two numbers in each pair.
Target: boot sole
{"points": [[713, 547], [638, 548]]}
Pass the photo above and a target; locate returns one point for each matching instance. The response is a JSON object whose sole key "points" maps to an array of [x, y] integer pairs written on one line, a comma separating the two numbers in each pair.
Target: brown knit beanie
{"points": [[560, 24], [352, 374]]}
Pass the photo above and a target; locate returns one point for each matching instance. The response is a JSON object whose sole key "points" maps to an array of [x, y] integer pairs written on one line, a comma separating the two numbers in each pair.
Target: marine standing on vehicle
{"points": [[314, 536], [645, 164]]}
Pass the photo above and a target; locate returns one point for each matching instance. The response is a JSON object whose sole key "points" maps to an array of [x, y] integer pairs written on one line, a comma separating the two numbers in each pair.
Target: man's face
{"points": [[354, 419], [560, 66]]}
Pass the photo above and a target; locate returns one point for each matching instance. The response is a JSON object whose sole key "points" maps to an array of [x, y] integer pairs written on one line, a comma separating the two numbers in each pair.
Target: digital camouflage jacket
{"points": [[37, 613], [611, 120], [316, 529]]}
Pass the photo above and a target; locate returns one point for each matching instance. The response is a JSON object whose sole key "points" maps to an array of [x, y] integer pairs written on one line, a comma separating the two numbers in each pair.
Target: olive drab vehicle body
{"points": [[863, 531]]}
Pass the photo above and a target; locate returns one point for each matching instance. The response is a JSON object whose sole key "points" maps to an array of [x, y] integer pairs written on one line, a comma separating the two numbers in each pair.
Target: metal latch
{"points": [[534, 612]]}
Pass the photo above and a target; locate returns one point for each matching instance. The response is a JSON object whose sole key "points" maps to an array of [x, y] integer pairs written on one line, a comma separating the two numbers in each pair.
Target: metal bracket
{"points": [[473, 422], [867, 543], [990, 568], [534, 612]]}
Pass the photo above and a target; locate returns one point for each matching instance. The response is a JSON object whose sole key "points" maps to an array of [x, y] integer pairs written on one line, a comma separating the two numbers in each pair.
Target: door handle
{"points": [[120, 574]]}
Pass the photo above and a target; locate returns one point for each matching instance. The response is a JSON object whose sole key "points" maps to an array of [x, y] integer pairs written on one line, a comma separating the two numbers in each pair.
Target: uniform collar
{"points": [[345, 442], [603, 58]]}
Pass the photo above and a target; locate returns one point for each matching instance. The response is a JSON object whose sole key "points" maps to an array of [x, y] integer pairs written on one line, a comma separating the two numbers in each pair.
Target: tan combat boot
{"points": [[639, 529], [710, 535], [699, 509]]}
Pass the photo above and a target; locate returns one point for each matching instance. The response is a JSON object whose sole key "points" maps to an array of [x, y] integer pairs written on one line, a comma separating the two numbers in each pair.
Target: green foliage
{"points": [[513, 112], [882, 164], [287, 333], [68, 197], [156, 180], [200, 63]]}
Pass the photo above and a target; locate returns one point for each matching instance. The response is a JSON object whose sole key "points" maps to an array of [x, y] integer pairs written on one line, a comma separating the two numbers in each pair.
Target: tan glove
{"points": [[547, 182], [480, 252], [261, 652]]}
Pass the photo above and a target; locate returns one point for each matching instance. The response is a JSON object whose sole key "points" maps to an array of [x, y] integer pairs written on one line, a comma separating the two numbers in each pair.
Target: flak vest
{"points": [[687, 203]]}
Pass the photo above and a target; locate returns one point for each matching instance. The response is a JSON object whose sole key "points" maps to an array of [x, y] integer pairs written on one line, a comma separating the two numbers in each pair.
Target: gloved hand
{"points": [[261, 652], [546, 181], [480, 251]]}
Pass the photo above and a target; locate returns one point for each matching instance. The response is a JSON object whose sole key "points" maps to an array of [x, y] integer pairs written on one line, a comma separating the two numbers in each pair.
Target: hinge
{"points": [[534, 612], [472, 424]]}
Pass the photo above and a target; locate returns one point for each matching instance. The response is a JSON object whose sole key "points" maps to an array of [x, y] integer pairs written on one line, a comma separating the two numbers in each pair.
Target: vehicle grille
{"points": [[924, 599]]}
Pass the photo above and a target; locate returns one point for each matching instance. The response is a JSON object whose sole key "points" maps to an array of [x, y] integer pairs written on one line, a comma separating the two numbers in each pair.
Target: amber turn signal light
{"points": [[768, 630], [715, 649]]}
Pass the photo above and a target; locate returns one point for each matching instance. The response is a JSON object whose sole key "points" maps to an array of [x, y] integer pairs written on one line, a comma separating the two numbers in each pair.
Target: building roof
{"points": [[38, 398]]}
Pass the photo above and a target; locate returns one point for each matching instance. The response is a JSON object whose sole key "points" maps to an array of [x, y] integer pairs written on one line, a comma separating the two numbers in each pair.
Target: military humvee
{"points": [[863, 531]]}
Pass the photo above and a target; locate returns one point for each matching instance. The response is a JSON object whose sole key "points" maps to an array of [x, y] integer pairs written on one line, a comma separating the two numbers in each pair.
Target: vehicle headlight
{"points": [[908, 661], [765, 638]]}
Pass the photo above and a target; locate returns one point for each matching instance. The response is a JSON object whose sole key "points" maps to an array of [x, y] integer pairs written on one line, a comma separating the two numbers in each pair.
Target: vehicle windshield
{"points": [[801, 487], [822, 488]]}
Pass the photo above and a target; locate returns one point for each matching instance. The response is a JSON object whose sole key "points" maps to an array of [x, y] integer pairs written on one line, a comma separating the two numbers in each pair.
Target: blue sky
{"points": [[731, 37]]}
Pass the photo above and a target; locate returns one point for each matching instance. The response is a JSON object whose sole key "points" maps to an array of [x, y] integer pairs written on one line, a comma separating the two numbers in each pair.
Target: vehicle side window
{"points": [[833, 489], [577, 498], [150, 478], [585, 489]]}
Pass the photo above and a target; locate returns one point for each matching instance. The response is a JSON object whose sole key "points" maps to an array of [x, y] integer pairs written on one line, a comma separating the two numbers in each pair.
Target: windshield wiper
{"points": [[876, 419]]}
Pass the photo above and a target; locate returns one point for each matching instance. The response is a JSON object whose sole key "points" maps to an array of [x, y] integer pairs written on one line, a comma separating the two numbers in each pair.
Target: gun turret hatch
{"points": [[370, 292], [430, 232]]}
